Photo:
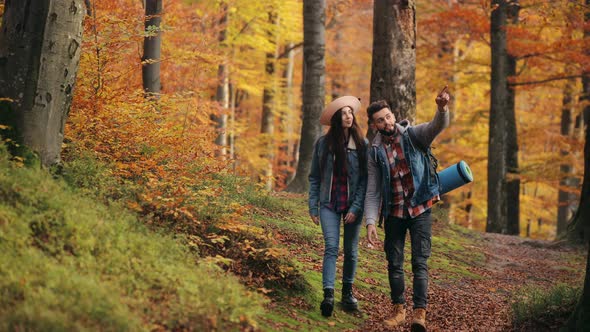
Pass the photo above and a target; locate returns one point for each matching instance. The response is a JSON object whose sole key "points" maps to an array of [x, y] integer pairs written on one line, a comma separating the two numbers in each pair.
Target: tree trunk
{"points": [[314, 67], [448, 54], [393, 69], [513, 177], [580, 318], [268, 104], [469, 209], [497, 166], [151, 48], [232, 122], [222, 95], [289, 118], [338, 77], [567, 182], [39, 56]]}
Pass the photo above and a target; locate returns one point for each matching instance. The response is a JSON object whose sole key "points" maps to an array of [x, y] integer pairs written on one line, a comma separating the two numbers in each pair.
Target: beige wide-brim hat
{"points": [[336, 104]]}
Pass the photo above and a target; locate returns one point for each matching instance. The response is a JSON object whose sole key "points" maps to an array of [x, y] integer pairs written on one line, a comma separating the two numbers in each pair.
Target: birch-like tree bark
{"points": [[152, 48], [314, 68], [567, 183], [289, 114], [39, 56], [223, 94], [393, 69], [268, 105]]}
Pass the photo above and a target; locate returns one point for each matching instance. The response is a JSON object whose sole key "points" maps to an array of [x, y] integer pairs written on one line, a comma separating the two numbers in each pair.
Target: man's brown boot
{"points": [[419, 322], [399, 316]]}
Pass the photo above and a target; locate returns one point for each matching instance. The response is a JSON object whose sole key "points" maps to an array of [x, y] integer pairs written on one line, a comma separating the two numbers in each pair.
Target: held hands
{"points": [[442, 100]]}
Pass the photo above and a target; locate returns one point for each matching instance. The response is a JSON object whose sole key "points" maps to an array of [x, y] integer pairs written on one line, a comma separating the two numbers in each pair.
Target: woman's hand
{"points": [[372, 235], [315, 219], [350, 218]]}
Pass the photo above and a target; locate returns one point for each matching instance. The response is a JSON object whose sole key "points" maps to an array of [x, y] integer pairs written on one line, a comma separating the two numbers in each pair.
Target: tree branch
{"points": [[545, 80], [245, 27], [289, 49]]}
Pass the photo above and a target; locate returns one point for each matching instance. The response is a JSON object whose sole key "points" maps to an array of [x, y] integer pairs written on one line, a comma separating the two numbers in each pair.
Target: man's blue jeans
{"points": [[330, 222], [421, 238]]}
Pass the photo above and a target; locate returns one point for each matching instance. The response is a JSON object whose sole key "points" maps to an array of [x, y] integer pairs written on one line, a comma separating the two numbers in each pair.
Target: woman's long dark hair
{"points": [[337, 143]]}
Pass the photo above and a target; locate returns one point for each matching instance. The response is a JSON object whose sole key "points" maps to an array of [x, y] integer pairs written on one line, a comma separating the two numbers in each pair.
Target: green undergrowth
{"points": [[70, 261], [74, 258], [224, 228], [542, 309]]}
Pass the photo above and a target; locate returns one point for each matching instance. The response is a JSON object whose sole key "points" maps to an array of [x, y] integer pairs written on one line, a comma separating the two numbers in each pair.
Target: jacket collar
{"points": [[401, 126]]}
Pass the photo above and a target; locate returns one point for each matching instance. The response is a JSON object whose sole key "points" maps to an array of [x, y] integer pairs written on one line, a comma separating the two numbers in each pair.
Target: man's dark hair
{"points": [[375, 107]]}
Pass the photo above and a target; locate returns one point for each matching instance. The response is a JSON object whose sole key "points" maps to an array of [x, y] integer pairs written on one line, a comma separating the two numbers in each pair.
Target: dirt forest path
{"points": [[482, 304]]}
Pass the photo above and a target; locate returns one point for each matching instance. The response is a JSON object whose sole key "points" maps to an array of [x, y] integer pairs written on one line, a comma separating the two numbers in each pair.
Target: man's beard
{"points": [[387, 132]]}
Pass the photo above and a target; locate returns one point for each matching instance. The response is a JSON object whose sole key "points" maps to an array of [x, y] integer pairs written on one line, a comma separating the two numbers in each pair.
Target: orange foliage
{"points": [[454, 47], [164, 145]]}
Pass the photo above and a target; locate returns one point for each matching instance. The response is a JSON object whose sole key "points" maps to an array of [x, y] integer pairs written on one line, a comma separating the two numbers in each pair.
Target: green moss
{"points": [[537, 308], [69, 262]]}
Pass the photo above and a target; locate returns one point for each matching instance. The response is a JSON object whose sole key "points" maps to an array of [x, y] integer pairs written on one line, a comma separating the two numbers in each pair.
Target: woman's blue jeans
{"points": [[421, 238], [330, 222]]}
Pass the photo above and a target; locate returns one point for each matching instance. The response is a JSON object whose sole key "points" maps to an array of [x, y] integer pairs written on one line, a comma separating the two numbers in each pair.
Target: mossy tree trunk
{"points": [[39, 56]]}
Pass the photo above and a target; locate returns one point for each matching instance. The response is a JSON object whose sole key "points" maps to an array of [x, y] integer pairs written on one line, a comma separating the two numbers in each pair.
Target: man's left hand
{"points": [[350, 218], [442, 100]]}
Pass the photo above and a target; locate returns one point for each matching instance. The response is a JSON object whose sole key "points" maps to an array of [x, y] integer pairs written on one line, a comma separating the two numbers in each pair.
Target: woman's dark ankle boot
{"points": [[349, 302], [327, 305]]}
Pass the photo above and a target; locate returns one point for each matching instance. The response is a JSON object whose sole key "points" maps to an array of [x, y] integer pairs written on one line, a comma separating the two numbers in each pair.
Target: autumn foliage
{"points": [[165, 145]]}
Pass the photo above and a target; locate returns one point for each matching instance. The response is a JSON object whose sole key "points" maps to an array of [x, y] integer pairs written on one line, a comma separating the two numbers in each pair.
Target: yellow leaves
{"points": [[217, 260], [4, 127], [215, 238], [133, 205], [264, 290], [232, 226], [276, 252], [18, 161]]}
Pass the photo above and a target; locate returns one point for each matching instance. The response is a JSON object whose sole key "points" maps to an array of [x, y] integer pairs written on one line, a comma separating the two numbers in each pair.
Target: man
{"points": [[403, 186]]}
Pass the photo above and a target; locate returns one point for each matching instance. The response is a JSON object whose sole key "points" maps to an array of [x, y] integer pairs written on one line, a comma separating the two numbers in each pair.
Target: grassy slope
{"points": [[68, 262]]}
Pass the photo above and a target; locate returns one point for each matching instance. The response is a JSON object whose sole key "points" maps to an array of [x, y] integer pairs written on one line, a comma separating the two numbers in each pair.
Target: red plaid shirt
{"points": [[339, 192], [402, 183]]}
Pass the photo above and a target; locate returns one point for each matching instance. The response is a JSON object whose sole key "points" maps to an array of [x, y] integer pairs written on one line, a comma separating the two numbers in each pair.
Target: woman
{"points": [[338, 181]]}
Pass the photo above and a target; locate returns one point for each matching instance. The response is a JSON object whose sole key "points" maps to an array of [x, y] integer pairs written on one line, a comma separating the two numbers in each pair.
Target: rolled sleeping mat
{"points": [[454, 177]]}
